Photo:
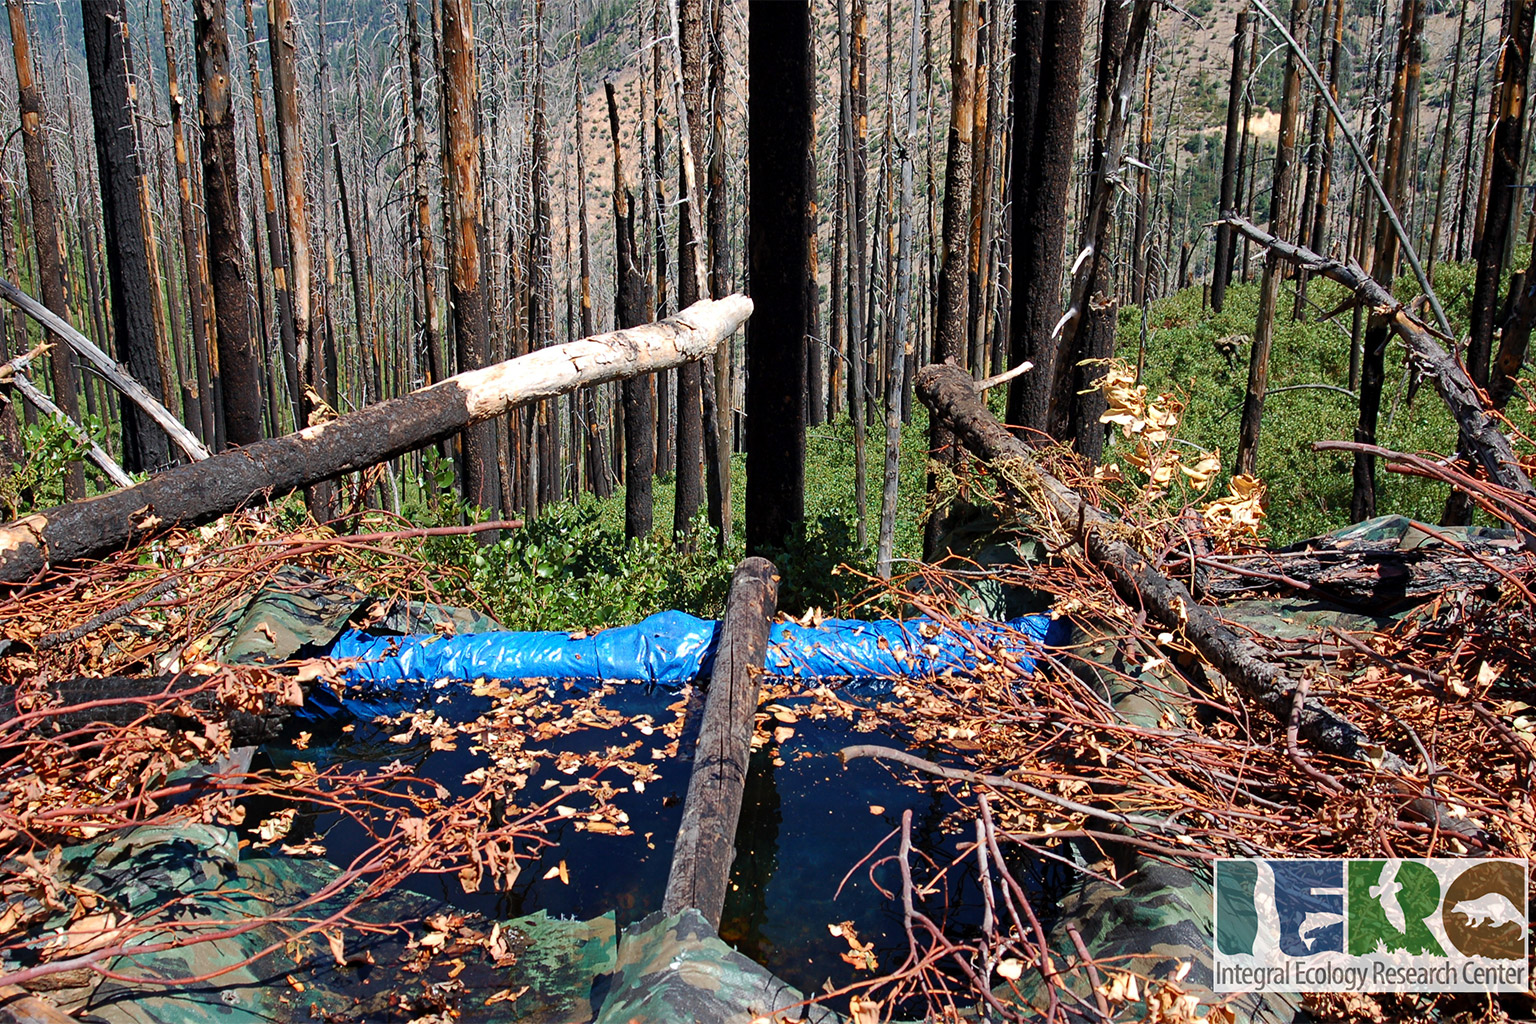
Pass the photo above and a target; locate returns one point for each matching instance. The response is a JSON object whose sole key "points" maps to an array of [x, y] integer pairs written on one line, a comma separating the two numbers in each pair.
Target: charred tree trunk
{"points": [[1086, 332], [1221, 273], [816, 369], [1269, 285], [1395, 171], [277, 251], [780, 79], [194, 252], [1318, 229], [479, 480], [598, 475], [1506, 148], [239, 372], [45, 230], [109, 59], [717, 398], [849, 138], [1446, 146], [896, 372], [1047, 61], [1139, 257], [1503, 178], [689, 496], [282, 39], [629, 310], [665, 382], [949, 317]]}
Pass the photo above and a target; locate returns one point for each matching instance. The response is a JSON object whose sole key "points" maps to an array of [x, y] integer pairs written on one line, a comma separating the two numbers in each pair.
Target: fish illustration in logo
{"points": [[1491, 908], [1385, 892], [1316, 920]]}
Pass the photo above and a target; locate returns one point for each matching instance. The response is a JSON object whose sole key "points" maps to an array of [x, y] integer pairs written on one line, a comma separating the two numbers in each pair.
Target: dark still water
{"points": [[806, 822]]}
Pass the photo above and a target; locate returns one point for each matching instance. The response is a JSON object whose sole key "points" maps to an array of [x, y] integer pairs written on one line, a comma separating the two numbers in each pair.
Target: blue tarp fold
{"points": [[672, 648]]}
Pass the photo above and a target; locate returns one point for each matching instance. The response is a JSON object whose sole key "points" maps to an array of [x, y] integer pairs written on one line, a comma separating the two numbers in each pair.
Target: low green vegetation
{"points": [[1308, 492], [572, 568]]}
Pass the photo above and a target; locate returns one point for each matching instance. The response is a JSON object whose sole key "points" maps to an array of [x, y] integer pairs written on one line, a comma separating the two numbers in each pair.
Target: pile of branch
{"points": [[953, 399]]}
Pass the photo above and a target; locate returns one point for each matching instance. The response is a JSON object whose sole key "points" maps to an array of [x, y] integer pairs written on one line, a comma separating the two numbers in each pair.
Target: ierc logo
{"points": [[1429, 925]]}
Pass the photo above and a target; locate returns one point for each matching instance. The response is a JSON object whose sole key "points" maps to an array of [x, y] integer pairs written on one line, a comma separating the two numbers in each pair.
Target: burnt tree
{"points": [[45, 229], [1269, 284], [239, 371], [780, 69], [480, 482], [1047, 59], [109, 60], [629, 299]]}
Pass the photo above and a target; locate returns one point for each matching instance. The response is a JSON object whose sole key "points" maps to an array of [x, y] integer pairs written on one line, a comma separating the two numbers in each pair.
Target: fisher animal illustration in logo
{"points": [[1484, 910], [1385, 892], [1492, 908]]}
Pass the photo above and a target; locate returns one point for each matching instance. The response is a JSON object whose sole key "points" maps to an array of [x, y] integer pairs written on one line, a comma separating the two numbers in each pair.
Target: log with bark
{"points": [[701, 861], [953, 399], [206, 490], [167, 702], [1372, 577]]}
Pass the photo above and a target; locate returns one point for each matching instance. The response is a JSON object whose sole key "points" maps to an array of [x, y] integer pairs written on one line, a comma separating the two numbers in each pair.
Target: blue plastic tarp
{"points": [[672, 648]]}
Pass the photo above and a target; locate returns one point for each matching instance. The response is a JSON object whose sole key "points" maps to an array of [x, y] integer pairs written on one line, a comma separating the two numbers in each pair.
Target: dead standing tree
{"points": [[690, 378], [239, 372], [1086, 330], [1394, 174], [1221, 272], [109, 59], [282, 40], [629, 300], [949, 317], [45, 228], [1047, 61], [480, 481], [1269, 284], [780, 70]]}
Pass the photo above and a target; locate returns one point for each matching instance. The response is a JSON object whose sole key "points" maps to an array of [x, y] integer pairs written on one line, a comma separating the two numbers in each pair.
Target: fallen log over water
{"points": [[203, 491], [706, 839], [952, 398]]}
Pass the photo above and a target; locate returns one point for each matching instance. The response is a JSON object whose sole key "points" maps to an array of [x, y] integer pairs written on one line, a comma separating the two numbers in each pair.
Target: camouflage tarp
{"points": [[677, 969], [256, 972], [300, 609]]}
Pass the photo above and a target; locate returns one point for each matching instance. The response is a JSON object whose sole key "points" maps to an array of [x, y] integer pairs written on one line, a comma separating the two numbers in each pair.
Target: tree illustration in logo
{"points": [[1389, 901]]}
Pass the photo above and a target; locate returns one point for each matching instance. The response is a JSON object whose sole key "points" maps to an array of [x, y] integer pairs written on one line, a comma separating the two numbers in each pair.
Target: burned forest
{"points": [[767, 511]]}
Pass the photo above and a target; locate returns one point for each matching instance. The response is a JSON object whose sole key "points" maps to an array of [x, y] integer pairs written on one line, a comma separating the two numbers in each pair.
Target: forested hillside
{"points": [[373, 254]]}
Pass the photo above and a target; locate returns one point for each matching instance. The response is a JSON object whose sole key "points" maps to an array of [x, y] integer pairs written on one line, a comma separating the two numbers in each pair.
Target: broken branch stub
{"points": [[203, 491]]}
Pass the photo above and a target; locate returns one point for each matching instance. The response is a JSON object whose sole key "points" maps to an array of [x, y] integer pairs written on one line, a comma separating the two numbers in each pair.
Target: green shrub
{"points": [[37, 480]]}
